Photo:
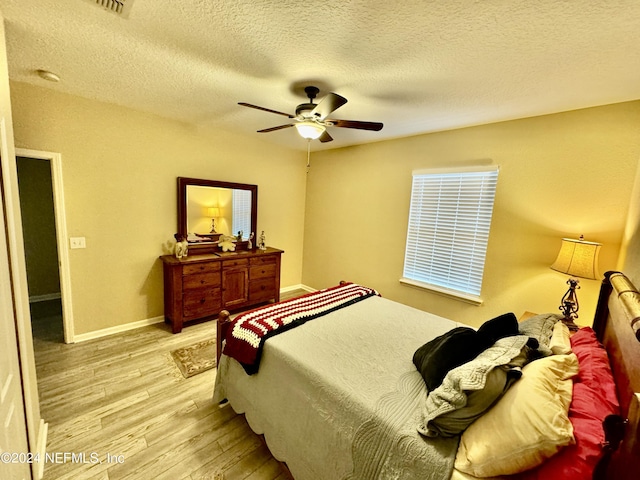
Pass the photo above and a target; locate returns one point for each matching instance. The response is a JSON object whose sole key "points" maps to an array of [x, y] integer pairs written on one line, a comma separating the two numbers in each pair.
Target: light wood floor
{"points": [[123, 396]]}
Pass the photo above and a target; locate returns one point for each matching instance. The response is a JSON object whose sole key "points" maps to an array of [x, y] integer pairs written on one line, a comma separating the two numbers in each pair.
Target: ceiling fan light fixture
{"points": [[310, 130]]}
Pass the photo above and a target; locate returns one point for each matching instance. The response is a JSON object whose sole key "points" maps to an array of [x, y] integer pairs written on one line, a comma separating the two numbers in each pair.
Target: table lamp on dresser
{"points": [[577, 258]]}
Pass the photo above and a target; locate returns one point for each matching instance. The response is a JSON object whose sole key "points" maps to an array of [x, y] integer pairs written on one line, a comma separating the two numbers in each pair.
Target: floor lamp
{"points": [[576, 258]]}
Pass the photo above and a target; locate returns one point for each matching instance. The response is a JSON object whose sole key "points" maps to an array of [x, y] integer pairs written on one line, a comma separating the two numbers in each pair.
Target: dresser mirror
{"points": [[210, 208]]}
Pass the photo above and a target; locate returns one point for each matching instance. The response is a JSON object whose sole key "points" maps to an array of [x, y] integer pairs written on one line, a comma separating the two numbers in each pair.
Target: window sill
{"points": [[465, 297]]}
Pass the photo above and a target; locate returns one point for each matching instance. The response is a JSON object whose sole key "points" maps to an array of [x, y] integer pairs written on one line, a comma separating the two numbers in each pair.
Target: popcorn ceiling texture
{"points": [[417, 65]]}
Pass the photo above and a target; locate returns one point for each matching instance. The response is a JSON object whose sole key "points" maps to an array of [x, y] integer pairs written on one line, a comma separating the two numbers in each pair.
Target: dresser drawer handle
{"points": [[202, 300]]}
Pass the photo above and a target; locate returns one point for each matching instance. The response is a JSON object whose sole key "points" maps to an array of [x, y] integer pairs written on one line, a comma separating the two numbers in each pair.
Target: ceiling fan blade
{"points": [[265, 109], [273, 129], [331, 102], [376, 126], [325, 137]]}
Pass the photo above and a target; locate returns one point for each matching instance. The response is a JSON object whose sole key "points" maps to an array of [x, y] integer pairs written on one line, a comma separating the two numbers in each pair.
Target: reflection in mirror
{"points": [[212, 210]]}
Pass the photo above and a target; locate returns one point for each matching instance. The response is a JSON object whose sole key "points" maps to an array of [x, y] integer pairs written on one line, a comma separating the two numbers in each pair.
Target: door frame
{"points": [[55, 162]]}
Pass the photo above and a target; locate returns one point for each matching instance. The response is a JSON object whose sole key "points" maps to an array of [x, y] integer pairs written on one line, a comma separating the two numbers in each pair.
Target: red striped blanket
{"points": [[251, 329]]}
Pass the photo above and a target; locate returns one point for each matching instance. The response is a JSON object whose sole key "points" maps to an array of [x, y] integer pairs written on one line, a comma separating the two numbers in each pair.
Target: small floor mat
{"points": [[196, 358]]}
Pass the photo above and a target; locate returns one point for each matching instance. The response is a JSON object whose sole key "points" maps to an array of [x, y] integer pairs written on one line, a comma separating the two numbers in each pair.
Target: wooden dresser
{"points": [[200, 286]]}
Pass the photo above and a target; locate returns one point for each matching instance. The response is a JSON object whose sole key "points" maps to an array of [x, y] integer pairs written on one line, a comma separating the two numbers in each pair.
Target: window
{"points": [[448, 231], [241, 213]]}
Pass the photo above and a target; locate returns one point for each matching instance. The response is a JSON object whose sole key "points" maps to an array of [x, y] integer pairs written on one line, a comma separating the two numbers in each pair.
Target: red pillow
{"points": [[594, 398]]}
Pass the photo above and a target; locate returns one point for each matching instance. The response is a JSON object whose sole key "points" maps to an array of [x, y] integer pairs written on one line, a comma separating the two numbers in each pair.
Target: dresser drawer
{"points": [[262, 290], [200, 280], [268, 270], [201, 303], [208, 267], [240, 262], [269, 259]]}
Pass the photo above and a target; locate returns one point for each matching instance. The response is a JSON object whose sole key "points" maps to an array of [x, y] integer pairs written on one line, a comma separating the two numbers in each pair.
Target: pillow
{"points": [[594, 398], [458, 346], [540, 327], [498, 380], [499, 327], [446, 352], [470, 389], [560, 343], [527, 426]]}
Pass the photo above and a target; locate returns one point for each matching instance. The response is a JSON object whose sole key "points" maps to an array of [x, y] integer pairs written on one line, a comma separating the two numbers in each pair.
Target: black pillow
{"points": [[506, 325], [435, 358], [446, 352]]}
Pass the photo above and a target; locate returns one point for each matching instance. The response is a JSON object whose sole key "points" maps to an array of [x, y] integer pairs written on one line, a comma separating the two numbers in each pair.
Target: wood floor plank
{"points": [[217, 466], [170, 450], [249, 464], [123, 395], [104, 381], [62, 433], [126, 445], [213, 416], [138, 427]]}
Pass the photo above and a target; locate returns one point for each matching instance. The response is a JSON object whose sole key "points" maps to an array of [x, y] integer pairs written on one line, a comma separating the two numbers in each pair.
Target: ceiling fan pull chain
{"points": [[308, 154]]}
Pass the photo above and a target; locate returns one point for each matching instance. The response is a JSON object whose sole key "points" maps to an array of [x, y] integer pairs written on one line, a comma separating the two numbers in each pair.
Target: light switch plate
{"points": [[77, 242]]}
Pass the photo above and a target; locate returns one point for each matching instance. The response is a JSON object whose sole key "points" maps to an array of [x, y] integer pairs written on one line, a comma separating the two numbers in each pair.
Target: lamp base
{"points": [[569, 305], [573, 327]]}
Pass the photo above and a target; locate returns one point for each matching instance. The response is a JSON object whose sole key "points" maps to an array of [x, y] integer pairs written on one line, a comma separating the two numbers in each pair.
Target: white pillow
{"points": [[528, 425], [560, 343]]}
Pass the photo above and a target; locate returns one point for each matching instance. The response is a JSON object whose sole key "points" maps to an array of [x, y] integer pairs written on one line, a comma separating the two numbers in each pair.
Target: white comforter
{"points": [[328, 389]]}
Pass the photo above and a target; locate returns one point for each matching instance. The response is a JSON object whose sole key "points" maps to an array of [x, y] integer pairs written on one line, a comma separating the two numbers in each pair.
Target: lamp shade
{"points": [[578, 258], [310, 130], [213, 211]]}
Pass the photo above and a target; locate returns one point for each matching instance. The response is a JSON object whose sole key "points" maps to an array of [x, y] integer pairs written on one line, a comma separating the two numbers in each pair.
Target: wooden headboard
{"points": [[617, 325]]}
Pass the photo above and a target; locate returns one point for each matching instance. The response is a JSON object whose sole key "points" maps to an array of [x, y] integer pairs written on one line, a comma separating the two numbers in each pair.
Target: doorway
{"points": [[44, 232]]}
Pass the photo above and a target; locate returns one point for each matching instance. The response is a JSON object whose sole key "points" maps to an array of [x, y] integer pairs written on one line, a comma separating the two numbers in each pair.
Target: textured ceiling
{"points": [[417, 66]]}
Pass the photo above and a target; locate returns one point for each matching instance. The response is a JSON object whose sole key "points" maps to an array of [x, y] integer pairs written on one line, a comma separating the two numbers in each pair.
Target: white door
{"points": [[15, 462], [13, 427]]}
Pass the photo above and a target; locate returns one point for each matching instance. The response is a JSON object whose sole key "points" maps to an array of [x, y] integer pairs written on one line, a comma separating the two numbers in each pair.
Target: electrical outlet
{"points": [[77, 242]]}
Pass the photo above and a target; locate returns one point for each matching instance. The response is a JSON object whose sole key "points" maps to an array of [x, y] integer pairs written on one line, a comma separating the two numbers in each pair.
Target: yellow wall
{"points": [[560, 175], [629, 261], [119, 170]]}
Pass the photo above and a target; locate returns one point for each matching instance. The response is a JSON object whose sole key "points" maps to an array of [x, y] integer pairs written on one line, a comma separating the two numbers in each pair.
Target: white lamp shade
{"points": [[578, 258], [213, 212], [310, 130]]}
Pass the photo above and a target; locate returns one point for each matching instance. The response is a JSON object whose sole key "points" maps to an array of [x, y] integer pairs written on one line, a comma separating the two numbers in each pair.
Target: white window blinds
{"points": [[448, 231], [241, 212]]}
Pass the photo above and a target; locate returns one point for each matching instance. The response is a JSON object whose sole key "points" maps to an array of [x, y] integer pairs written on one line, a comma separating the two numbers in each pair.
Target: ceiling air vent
{"points": [[120, 7]]}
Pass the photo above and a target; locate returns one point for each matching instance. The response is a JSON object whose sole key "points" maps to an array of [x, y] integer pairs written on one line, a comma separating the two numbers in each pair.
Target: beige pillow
{"points": [[528, 425], [560, 343]]}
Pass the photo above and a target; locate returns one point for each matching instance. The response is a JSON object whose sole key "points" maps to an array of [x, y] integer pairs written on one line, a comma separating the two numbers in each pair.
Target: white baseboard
{"points": [[41, 448], [83, 337], [44, 298], [299, 286]]}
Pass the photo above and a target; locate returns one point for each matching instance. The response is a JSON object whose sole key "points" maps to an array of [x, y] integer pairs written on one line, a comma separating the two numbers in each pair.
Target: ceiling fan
{"points": [[311, 120]]}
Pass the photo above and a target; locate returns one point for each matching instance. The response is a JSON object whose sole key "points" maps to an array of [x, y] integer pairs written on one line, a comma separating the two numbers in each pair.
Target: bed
{"points": [[338, 397]]}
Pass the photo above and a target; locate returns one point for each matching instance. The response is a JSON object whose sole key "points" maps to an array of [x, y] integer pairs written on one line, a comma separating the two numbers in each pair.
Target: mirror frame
{"points": [[184, 182]]}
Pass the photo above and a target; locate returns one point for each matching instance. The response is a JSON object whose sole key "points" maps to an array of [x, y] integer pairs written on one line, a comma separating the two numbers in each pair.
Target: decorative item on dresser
{"points": [[200, 286]]}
